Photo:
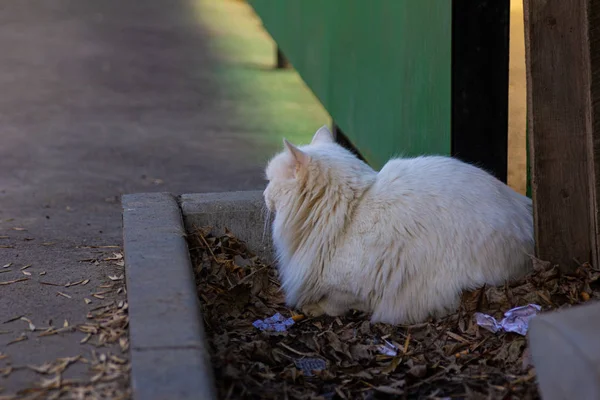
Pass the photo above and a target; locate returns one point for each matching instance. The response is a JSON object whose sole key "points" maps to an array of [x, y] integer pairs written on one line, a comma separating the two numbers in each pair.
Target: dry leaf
{"points": [[236, 288], [41, 369], [31, 325], [115, 257], [14, 281], [69, 284], [50, 283], [19, 339]]}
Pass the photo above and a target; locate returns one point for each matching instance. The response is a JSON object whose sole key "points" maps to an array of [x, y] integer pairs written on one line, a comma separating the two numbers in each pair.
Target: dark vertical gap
{"points": [[480, 51], [282, 61], [343, 141]]}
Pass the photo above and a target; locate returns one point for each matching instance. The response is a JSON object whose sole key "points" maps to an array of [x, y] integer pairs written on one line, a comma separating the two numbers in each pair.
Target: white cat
{"points": [[402, 243]]}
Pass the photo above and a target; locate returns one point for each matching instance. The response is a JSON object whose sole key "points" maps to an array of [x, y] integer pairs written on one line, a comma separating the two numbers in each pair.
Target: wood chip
{"points": [[115, 277], [85, 282], [14, 281], [5, 270], [98, 296], [16, 228], [6, 246], [25, 267], [64, 295], [87, 301], [7, 265], [27, 273], [42, 273]]}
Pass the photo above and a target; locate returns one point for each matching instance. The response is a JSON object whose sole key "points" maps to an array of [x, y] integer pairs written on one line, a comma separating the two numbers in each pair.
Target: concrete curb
{"points": [[169, 354], [242, 213], [566, 352]]}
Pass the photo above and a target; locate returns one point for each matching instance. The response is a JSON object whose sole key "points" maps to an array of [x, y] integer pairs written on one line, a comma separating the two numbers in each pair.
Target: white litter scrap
{"points": [[515, 320], [276, 323], [387, 349]]}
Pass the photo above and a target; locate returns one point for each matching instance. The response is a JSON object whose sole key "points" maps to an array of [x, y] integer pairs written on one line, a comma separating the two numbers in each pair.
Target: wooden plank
{"points": [[382, 69], [480, 50], [563, 126], [593, 131]]}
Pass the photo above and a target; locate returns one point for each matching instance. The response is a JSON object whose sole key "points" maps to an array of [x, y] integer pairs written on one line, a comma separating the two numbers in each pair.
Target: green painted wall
{"points": [[380, 68]]}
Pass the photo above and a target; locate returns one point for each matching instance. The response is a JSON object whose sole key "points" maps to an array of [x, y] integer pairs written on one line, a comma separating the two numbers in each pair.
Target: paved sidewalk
{"points": [[101, 98]]}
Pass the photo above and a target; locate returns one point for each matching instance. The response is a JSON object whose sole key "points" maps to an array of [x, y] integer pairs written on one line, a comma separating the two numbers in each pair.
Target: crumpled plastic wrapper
{"points": [[387, 349], [276, 323], [515, 320]]}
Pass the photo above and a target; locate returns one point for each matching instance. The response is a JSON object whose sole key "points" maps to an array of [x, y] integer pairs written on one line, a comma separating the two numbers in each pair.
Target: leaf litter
{"points": [[354, 359], [107, 326]]}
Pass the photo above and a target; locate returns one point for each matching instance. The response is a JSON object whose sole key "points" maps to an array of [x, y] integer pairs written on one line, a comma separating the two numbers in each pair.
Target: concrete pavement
{"points": [[98, 99]]}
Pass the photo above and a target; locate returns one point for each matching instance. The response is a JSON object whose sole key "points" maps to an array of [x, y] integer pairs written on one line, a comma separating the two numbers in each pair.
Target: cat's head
{"points": [[308, 171]]}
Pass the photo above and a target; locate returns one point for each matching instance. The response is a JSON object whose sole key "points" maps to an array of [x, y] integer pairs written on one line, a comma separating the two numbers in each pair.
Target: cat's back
{"points": [[431, 173], [437, 176], [439, 185]]}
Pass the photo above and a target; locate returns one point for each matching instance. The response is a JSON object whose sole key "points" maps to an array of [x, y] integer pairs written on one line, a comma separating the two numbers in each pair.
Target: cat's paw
{"points": [[313, 310]]}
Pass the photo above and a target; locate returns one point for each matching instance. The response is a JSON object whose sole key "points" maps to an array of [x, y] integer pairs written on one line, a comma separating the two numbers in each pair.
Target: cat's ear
{"points": [[323, 135], [300, 156]]}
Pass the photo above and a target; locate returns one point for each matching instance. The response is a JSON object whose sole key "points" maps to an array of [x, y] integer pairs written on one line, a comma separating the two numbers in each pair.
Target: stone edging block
{"points": [[169, 354]]}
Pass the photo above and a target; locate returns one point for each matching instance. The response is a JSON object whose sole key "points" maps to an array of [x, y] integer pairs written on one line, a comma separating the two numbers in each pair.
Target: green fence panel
{"points": [[381, 68]]}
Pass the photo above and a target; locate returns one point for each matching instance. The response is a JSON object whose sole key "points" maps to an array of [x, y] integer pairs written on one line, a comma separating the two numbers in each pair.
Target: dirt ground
{"points": [[347, 357]]}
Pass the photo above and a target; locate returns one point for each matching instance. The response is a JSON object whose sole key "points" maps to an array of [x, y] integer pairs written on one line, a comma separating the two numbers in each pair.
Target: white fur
{"points": [[401, 244]]}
